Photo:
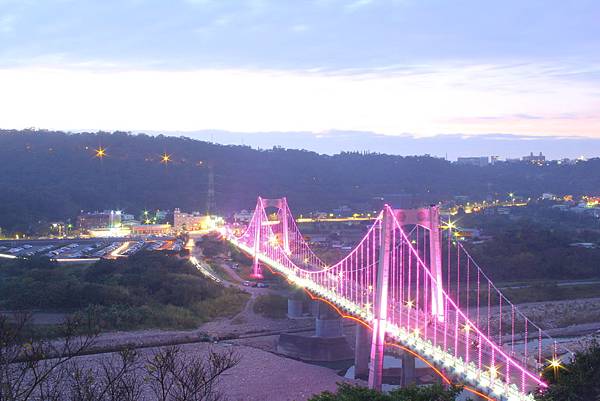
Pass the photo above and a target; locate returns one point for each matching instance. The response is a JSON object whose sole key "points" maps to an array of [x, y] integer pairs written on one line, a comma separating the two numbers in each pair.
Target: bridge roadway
{"points": [[479, 372]]}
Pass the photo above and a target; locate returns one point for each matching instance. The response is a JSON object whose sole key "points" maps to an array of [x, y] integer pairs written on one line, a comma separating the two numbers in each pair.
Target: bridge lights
{"points": [[493, 372], [449, 225], [555, 364]]}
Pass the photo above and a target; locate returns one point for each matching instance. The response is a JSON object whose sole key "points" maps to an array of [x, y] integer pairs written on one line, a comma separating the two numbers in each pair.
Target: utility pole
{"points": [[211, 204]]}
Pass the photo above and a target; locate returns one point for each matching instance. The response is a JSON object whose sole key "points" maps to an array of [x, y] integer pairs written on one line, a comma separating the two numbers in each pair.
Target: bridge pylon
{"points": [[429, 218], [284, 216], [380, 303], [256, 269]]}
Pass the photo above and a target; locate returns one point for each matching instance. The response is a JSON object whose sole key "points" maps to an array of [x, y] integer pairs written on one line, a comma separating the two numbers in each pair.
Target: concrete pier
{"points": [[409, 373], [328, 323], [327, 345], [362, 352], [294, 308]]}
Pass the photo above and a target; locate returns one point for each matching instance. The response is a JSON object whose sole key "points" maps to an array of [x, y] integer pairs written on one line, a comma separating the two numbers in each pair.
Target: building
{"points": [[151, 229], [194, 221], [539, 159], [478, 161], [105, 219], [243, 216]]}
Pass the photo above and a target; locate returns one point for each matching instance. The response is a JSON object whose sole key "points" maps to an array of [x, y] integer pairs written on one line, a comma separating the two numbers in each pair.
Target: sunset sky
{"points": [[393, 67]]}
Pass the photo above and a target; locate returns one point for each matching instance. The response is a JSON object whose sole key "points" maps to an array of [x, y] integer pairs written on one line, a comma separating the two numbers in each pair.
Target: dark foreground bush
{"points": [[348, 392]]}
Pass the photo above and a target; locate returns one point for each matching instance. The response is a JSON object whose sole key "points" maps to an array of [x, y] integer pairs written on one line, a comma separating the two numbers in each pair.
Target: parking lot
{"points": [[84, 249]]}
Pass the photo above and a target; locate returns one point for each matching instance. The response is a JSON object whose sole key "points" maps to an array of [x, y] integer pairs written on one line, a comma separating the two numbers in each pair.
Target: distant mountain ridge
{"points": [[47, 175], [451, 146]]}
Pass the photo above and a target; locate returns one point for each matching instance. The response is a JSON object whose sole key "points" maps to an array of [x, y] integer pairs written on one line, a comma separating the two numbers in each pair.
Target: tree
{"points": [[33, 369], [578, 380], [179, 377], [348, 392], [117, 379]]}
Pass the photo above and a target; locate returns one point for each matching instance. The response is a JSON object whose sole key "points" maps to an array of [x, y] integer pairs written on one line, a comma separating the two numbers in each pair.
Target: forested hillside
{"points": [[53, 175]]}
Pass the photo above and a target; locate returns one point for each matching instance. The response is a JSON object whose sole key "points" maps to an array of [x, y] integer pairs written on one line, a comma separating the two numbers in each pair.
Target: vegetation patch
{"points": [[143, 291], [348, 392], [271, 305]]}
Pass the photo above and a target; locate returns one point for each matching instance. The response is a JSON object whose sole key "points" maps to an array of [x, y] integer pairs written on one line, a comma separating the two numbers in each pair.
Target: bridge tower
{"points": [[283, 215], [429, 218], [256, 269], [380, 303]]}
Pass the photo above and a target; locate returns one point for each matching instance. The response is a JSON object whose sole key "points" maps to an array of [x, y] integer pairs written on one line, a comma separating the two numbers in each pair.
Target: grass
{"points": [[271, 305], [552, 292], [229, 304]]}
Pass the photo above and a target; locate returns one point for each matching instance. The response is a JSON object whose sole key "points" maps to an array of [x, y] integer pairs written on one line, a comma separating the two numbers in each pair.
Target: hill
{"points": [[49, 175]]}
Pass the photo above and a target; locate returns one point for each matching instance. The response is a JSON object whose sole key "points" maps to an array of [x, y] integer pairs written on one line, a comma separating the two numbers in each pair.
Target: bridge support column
{"points": [[435, 257], [380, 302], [362, 352], [409, 373], [328, 323], [294, 308]]}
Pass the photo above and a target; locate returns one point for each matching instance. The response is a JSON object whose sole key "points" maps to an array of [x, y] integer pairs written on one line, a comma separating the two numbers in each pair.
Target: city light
{"points": [[100, 152], [449, 225], [165, 158]]}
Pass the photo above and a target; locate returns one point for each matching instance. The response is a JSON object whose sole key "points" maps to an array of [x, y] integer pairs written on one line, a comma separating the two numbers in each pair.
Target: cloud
{"points": [[355, 5], [300, 28], [7, 23], [281, 100]]}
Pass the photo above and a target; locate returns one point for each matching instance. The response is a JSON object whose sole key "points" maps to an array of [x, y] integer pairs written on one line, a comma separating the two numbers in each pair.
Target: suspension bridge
{"points": [[416, 289]]}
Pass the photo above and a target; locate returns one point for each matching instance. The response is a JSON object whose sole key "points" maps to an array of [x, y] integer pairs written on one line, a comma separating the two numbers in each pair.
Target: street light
{"points": [[100, 152]]}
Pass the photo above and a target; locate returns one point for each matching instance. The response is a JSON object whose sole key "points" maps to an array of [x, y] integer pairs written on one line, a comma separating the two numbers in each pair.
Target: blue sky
{"points": [[393, 67]]}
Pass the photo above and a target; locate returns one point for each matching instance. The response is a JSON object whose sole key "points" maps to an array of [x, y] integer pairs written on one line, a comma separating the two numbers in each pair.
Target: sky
{"points": [[252, 68]]}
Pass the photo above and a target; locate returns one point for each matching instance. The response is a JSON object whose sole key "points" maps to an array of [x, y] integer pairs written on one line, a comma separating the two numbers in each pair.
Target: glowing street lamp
{"points": [[555, 364], [100, 152], [449, 225], [493, 372], [165, 158]]}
